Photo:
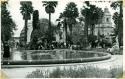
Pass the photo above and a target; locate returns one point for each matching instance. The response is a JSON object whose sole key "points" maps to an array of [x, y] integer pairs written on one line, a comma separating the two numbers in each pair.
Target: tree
{"points": [[36, 34], [93, 16], [115, 18], [7, 26], [50, 8], [86, 13], [39, 33], [36, 25], [44, 28], [26, 11], [35, 21], [71, 13], [77, 32], [118, 20]]}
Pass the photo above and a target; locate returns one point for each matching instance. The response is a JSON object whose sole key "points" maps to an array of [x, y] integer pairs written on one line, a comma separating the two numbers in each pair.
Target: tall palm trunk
{"points": [[86, 31], [120, 27], [50, 29], [70, 27], [26, 21], [65, 26], [92, 29]]}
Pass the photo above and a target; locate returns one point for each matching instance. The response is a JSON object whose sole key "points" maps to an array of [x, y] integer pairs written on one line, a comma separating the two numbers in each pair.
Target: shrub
{"points": [[36, 74], [56, 73]]}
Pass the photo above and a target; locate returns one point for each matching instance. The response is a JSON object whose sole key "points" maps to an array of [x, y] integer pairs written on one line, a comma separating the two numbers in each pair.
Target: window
{"points": [[107, 19]]}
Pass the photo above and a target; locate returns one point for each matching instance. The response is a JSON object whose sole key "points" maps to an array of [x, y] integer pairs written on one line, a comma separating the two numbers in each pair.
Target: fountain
{"points": [[49, 60], [60, 56]]}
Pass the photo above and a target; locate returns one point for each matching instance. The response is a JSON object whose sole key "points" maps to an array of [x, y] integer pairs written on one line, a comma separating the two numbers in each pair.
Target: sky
{"points": [[14, 8]]}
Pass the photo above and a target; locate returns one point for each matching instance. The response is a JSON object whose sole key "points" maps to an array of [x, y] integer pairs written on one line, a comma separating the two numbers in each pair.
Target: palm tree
{"points": [[50, 8], [26, 10], [71, 13], [92, 15]]}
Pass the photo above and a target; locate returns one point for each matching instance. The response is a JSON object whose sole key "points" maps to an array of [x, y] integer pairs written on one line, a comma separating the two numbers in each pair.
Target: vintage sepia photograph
{"points": [[61, 39]]}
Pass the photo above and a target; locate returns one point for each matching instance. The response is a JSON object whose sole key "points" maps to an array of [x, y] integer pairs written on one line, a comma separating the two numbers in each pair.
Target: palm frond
{"points": [[49, 3], [26, 9]]}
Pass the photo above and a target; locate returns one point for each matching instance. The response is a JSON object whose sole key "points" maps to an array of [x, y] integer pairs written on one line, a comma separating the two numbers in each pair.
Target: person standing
{"points": [[6, 50]]}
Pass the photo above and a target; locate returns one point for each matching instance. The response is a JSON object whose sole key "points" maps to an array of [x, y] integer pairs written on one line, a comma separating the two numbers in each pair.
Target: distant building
{"points": [[105, 28]]}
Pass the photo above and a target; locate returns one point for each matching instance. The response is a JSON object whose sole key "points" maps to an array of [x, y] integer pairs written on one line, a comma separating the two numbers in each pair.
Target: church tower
{"points": [[107, 18], [106, 22], [105, 28]]}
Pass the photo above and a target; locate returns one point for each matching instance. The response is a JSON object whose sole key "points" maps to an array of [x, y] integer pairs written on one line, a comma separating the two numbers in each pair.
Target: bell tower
{"points": [[105, 28], [106, 23], [107, 18]]}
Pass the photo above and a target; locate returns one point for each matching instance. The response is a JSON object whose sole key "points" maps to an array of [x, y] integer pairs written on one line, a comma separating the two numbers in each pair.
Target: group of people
{"points": [[103, 43], [6, 50], [53, 45]]}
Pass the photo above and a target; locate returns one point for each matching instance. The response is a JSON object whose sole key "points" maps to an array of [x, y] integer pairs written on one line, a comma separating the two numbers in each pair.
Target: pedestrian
{"points": [[17, 44], [6, 50]]}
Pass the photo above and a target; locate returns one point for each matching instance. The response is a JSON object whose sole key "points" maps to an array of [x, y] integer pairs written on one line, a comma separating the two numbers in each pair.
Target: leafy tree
{"points": [[50, 8], [36, 34], [7, 25], [71, 13], [26, 11], [36, 24], [77, 33], [118, 20], [44, 28], [115, 18], [35, 21]]}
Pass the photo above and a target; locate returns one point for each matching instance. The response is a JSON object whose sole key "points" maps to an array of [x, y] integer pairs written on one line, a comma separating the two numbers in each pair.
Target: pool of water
{"points": [[41, 55], [31, 57]]}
